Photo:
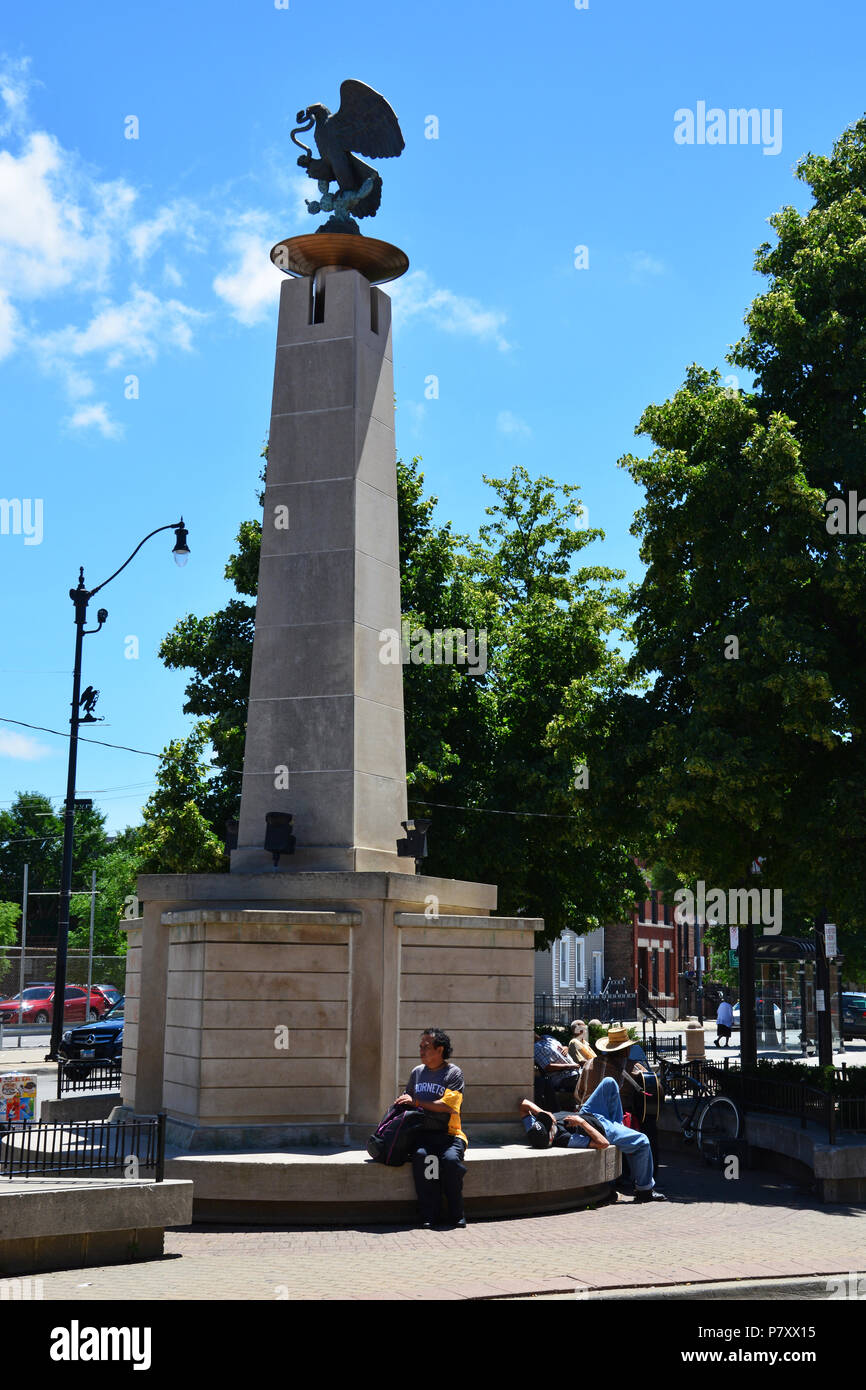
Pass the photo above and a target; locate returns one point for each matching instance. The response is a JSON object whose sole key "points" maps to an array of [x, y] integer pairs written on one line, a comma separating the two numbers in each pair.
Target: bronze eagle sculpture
{"points": [[364, 125]]}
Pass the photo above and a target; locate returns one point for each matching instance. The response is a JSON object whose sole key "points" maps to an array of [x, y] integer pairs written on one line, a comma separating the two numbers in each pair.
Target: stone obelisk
{"points": [[281, 1002], [325, 735]]}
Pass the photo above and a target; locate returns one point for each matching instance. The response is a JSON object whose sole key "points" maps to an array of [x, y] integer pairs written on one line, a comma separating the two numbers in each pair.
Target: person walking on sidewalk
{"points": [[724, 1023]]}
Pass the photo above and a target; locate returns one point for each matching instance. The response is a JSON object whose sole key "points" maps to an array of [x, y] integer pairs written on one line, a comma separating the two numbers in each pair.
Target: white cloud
{"points": [[21, 746], [416, 296], [181, 216], [90, 268], [49, 236], [642, 265], [8, 325], [508, 423], [413, 412], [253, 286], [95, 416], [15, 84], [136, 328]]}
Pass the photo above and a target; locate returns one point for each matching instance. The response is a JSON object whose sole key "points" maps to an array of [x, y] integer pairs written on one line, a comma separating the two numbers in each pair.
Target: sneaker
{"points": [[653, 1195], [426, 1226], [461, 1224]]}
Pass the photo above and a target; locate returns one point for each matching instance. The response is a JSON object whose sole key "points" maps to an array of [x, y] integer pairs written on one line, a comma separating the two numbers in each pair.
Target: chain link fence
{"points": [[40, 965]]}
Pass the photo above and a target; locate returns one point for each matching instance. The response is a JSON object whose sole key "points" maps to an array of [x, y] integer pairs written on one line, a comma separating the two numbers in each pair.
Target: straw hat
{"points": [[617, 1040]]}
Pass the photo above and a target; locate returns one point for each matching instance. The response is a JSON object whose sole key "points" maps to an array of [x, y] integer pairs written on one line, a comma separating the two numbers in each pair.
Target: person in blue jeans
{"points": [[597, 1125]]}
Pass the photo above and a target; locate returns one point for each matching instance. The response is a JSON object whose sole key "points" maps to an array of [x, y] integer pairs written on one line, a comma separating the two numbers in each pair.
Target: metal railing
{"points": [[73, 1075], [83, 1148], [561, 1009], [23, 1030], [669, 1045], [647, 1007], [793, 1097]]}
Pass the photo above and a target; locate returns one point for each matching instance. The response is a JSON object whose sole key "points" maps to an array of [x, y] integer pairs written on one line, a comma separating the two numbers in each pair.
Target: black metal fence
{"points": [[83, 1148], [87, 1076], [668, 1045], [561, 1009], [793, 1097]]}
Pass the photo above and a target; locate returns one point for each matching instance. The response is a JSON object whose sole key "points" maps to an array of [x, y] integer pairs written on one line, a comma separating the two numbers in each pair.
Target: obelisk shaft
{"points": [[325, 733]]}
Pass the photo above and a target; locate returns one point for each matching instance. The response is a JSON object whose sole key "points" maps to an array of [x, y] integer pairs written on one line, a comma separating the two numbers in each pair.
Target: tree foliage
{"points": [[31, 832], [742, 732], [480, 756]]}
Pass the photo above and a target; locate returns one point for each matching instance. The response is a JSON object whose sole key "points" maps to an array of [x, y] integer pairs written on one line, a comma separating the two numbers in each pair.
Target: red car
{"points": [[38, 1005]]}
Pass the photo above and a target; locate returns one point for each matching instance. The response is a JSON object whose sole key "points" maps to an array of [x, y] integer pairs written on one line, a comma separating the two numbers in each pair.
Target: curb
{"points": [[794, 1287]]}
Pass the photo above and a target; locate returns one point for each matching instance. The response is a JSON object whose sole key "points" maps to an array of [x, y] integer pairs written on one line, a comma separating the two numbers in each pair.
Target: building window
{"points": [[668, 973], [655, 970], [579, 962], [595, 985], [564, 962], [654, 907]]}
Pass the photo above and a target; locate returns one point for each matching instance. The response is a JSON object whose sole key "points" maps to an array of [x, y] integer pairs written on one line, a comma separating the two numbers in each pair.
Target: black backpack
{"points": [[391, 1143]]}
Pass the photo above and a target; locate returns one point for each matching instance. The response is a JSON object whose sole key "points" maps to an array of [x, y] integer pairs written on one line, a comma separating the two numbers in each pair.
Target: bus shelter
{"points": [[787, 998]]}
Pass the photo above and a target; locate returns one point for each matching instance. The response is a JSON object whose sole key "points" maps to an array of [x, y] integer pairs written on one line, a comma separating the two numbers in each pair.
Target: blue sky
{"points": [[149, 257]]}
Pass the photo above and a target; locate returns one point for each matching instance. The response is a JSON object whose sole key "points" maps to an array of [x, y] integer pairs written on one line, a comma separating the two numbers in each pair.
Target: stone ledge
{"points": [[79, 1107], [420, 919], [33, 1209], [260, 917], [284, 886], [343, 1185], [85, 1249]]}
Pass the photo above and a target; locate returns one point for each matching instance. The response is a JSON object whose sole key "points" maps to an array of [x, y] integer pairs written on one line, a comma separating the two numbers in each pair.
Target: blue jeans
{"points": [[603, 1109]]}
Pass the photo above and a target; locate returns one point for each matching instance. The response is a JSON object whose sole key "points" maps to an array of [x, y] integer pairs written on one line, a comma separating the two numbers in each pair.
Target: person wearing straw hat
{"points": [[603, 1108]]}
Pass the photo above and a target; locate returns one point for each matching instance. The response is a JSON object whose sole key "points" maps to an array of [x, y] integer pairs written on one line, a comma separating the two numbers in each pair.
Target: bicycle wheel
{"points": [[720, 1120]]}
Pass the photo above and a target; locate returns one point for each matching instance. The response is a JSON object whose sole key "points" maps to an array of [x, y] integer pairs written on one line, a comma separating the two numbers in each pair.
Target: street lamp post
{"points": [[81, 597]]}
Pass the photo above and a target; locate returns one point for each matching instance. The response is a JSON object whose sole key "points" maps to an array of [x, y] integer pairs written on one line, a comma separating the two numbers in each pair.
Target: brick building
{"points": [[651, 951]]}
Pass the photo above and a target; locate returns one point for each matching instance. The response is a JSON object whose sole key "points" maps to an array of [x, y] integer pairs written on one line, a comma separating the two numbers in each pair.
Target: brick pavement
{"points": [[757, 1227]]}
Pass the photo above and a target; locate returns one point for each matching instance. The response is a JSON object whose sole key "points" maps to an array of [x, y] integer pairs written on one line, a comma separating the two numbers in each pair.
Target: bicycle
{"points": [[711, 1120]]}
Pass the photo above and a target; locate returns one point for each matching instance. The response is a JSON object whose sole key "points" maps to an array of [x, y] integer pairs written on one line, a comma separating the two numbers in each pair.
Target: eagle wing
{"points": [[365, 122]]}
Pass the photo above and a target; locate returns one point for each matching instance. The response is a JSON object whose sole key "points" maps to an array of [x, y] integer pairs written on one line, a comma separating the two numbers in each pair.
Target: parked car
{"points": [[854, 1015], [792, 1015], [95, 1042], [111, 994], [38, 1005]]}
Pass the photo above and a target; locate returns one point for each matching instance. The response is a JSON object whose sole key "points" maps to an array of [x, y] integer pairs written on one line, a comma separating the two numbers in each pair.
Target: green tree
{"points": [[31, 832], [476, 744], [741, 733], [116, 875], [175, 837], [548, 625], [10, 919]]}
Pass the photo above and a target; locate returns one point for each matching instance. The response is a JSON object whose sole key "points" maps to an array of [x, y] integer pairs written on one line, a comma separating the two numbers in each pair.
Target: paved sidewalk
{"points": [[757, 1227]]}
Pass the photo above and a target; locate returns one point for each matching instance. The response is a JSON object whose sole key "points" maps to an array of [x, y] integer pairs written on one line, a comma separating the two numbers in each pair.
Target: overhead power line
{"points": [[236, 772]]}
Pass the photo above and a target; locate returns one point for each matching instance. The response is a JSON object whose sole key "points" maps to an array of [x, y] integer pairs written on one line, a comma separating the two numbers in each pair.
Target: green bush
{"points": [[594, 1030]]}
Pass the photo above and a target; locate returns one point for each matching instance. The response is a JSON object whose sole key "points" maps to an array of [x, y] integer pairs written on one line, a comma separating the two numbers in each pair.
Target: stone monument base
{"points": [[272, 1009]]}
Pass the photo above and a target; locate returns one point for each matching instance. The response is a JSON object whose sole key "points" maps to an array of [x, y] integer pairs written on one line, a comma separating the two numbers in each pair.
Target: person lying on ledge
{"points": [[597, 1125]]}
